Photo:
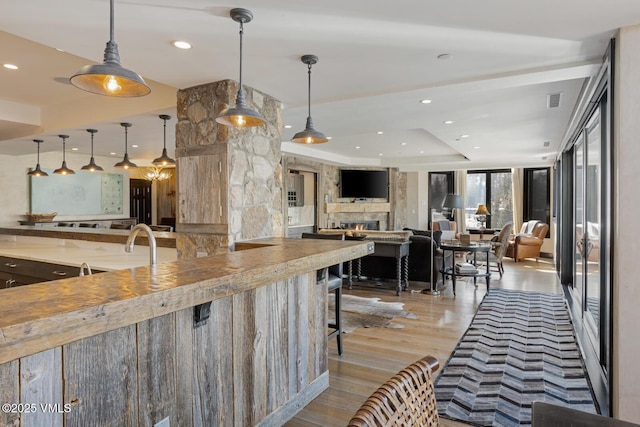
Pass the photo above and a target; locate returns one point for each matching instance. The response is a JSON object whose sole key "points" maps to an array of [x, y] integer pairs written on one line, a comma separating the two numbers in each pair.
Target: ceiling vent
{"points": [[547, 143], [553, 100]]}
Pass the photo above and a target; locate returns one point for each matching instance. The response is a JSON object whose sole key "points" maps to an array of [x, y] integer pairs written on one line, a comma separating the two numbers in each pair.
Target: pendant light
{"points": [[37, 171], [164, 160], [64, 170], [125, 163], [110, 78], [309, 135], [240, 115], [92, 167]]}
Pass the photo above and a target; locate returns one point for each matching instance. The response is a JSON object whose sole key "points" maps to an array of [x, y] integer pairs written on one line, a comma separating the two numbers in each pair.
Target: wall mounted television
{"points": [[364, 184]]}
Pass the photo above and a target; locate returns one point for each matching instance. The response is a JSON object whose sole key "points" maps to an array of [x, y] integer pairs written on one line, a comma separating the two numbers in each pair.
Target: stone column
{"points": [[229, 181]]}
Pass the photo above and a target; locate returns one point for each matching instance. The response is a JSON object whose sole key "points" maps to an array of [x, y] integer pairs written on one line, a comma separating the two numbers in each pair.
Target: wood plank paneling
{"points": [[157, 370], [100, 380], [207, 173], [249, 358], [41, 383], [186, 380], [277, 346], [301, 331], [9, 392], [213, 367]]}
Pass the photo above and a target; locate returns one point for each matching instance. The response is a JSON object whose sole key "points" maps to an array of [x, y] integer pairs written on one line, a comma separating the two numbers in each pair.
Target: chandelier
{"points": [[156, 173]]}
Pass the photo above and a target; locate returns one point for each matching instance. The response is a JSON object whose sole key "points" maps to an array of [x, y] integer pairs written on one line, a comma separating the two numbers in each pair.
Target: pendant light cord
{"points": [[92, 145], [111, 23], [165, 134], [309, 91], [241, 33], [38, 144], [64, 144], [126, 131]]}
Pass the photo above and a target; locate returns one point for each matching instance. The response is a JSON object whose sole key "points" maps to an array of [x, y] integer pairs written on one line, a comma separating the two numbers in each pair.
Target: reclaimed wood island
{"points": [[132, 348]]}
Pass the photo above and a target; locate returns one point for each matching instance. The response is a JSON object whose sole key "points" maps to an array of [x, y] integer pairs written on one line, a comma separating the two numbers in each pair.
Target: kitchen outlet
{"points": [[163, 423]]}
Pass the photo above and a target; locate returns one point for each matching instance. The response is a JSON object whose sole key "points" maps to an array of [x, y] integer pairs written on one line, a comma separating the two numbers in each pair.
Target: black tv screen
{"points": [[364, 184]]}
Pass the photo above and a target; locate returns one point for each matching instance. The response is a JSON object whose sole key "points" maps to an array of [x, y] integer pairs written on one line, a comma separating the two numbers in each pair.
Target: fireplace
{"points": [[360, 225]]}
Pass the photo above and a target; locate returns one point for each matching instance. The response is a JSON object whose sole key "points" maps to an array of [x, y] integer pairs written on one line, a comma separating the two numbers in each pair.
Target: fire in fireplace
{"points": [[360, 225]]}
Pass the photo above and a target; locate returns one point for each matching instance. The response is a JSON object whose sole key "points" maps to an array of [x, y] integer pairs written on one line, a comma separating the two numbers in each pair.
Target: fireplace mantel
{"points": [[357, 207]]}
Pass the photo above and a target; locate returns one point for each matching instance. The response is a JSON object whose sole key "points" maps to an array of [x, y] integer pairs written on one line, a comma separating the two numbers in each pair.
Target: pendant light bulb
{"points": [[64, 170], [309, 135], [110, 78], [164, 159], [37, 171], [240, 115], [126, 163], [92, 166]]}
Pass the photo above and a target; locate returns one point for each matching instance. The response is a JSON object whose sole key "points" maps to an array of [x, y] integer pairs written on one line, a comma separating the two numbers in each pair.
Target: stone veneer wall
{"points": [[329, 177], [229, 180]]}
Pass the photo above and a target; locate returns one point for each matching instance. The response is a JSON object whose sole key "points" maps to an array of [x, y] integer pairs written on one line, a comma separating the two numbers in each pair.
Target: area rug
{"points": [[519, 348], [368, 313]]}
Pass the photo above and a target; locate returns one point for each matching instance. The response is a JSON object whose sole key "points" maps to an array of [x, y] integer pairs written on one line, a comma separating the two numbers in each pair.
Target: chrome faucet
{"points": [[82, 267], [128, 247]]}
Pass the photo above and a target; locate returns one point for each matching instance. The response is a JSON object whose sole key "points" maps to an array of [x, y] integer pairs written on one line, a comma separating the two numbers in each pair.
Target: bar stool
{"points": [[334, 283]]}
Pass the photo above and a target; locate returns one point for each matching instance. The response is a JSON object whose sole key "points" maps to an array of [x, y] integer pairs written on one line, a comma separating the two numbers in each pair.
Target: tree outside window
{"points": [[493, 189]]}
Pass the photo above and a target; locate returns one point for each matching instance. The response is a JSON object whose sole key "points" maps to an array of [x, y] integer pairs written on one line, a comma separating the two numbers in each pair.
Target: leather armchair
{"points": [[527, 245]]}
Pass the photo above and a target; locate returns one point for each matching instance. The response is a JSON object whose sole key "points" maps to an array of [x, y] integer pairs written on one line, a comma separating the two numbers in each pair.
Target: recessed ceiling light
{"points": [[74, 149], [445, 56], [10, 66], [329, 137], [134, 146], [380, 132], [59, 50], [476, 147], [403, 143], [421, 151], [464, 136], [426, 101], [379, 154], [357, 147], [113, 154], [181, 44], [448, 122], [287, 126]]}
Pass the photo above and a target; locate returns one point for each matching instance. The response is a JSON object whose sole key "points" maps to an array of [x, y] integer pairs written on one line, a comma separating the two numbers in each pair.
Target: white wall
{"points": [[626, 246], [14, 183]]}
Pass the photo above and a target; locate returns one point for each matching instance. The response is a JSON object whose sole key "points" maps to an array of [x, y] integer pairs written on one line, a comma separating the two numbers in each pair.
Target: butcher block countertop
{"points": [[41, 316]]}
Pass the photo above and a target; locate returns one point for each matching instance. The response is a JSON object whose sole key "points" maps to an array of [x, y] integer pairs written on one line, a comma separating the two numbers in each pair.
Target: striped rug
{"points": [[519, 348]]}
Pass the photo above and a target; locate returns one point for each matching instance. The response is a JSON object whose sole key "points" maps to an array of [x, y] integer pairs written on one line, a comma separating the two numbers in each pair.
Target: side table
{"points": [[473, 247]]}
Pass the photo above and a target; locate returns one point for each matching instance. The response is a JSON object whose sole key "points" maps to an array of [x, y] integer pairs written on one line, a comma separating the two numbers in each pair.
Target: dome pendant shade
{"points": [[37, 171], [125, 163], [309, 135], [164, 159], [92, 167], [110, 78], [240, 115], [64, 170]]}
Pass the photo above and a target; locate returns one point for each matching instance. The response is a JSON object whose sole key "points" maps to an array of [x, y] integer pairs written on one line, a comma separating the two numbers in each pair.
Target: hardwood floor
{"points": [[371, 356]]}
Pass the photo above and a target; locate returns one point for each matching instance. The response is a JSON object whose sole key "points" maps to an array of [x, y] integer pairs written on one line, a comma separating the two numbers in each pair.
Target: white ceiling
{"points": [[377, 61]]}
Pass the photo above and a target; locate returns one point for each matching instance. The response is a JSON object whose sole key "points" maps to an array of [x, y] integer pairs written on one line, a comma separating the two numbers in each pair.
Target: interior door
{"points": [[140, 200]]}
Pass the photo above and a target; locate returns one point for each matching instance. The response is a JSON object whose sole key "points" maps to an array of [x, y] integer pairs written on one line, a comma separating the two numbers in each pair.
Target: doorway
{"points": [[140, 200]]}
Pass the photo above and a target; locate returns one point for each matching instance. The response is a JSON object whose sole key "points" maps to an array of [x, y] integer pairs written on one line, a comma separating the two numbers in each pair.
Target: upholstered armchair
{"points": [[528, 242]]}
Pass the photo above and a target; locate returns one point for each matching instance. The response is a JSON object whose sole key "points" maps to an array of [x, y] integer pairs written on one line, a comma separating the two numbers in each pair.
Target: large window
{"points": [[440, 184], [537, 195], [491, 188]]}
